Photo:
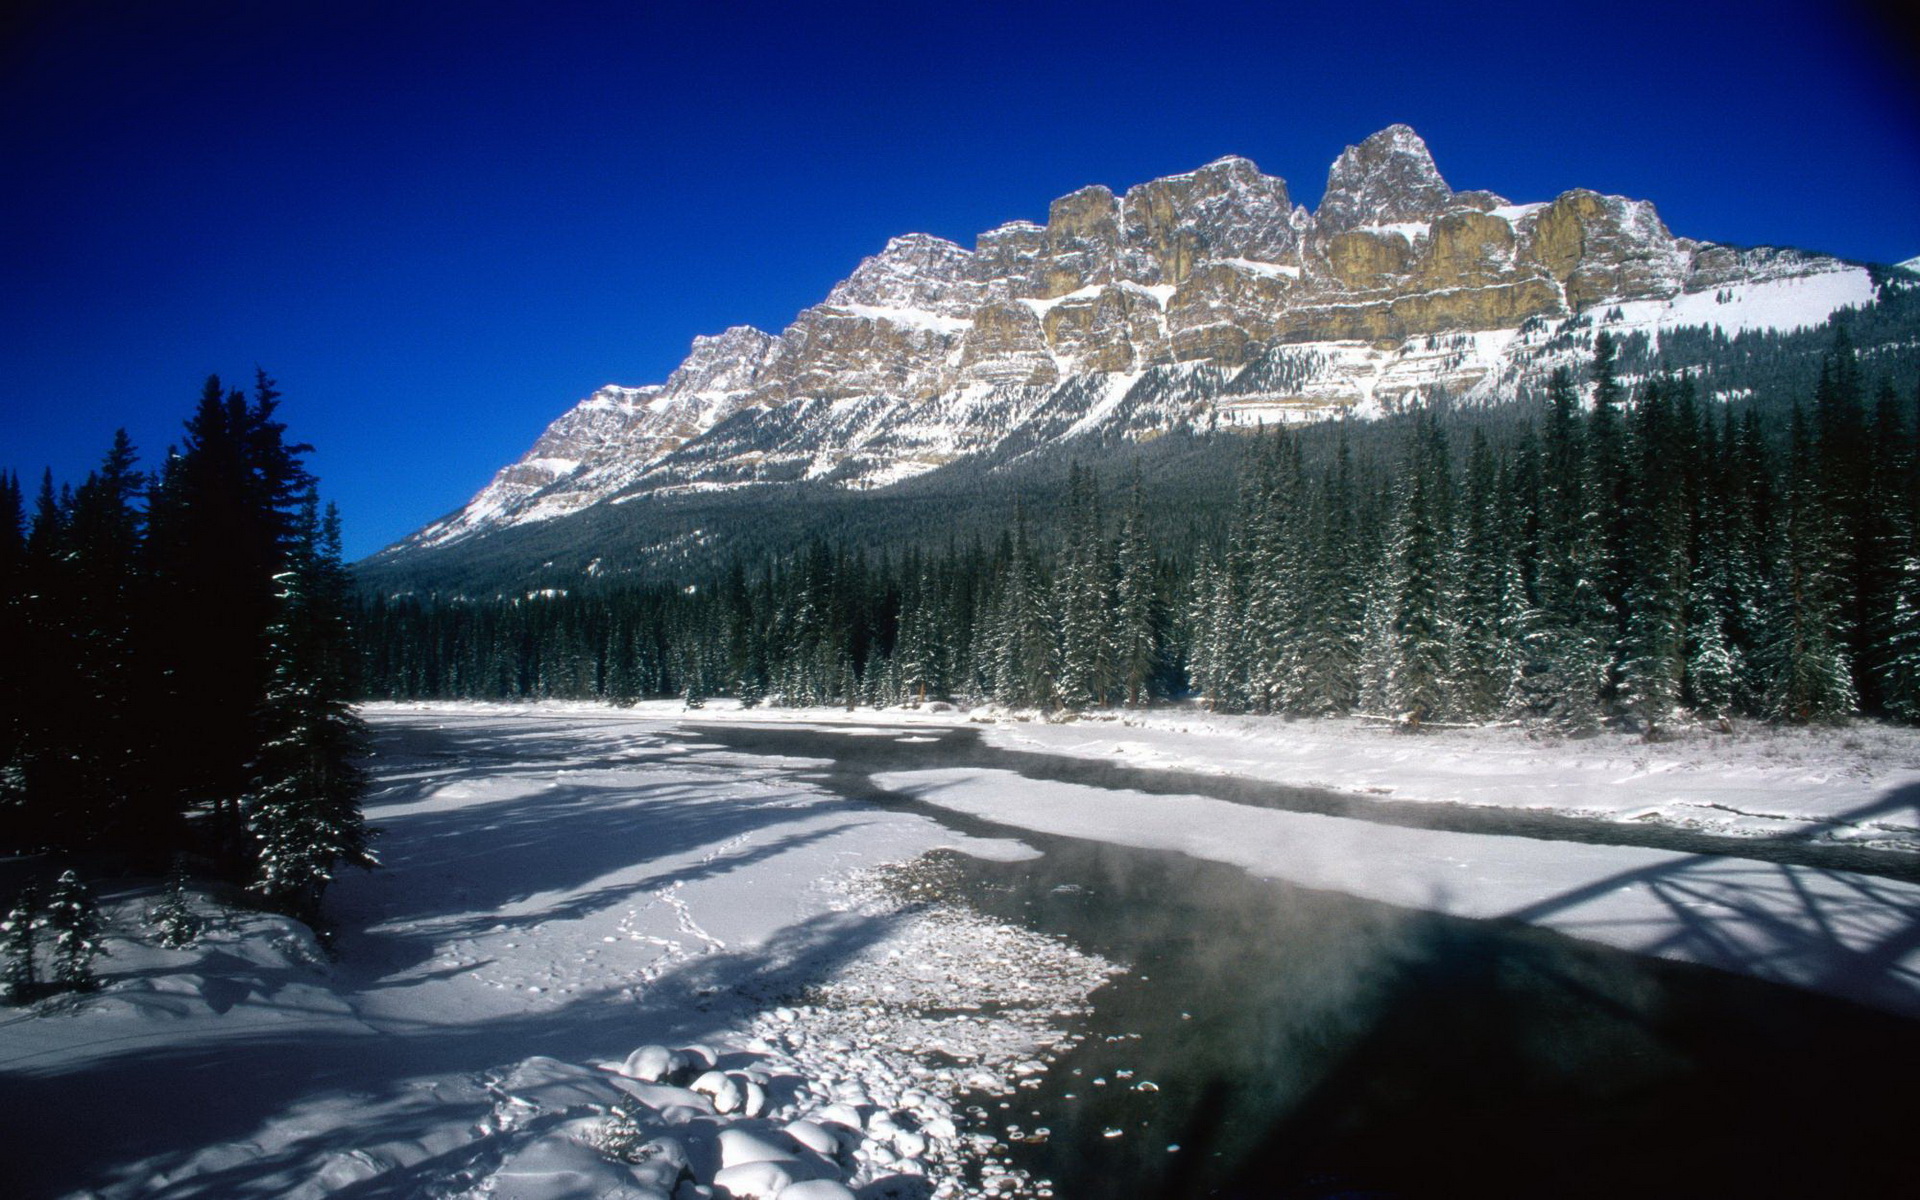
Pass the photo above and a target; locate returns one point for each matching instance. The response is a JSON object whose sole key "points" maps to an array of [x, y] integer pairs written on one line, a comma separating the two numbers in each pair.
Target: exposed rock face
{"points": [[1201, 296], [1386, 179]]}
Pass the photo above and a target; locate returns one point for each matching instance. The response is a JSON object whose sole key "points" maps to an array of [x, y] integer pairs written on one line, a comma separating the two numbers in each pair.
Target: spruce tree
{"points": [[304, 807], [1134, 616], [1900, 661], [73, 922], [173, 920], [1808, 676], [19, 975], [1653, 647], [1477, 659], [1419, 688], [222, 521]]}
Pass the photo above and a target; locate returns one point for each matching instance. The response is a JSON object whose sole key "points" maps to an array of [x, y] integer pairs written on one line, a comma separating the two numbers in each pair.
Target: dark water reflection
{"points": [[1309, 1044]]}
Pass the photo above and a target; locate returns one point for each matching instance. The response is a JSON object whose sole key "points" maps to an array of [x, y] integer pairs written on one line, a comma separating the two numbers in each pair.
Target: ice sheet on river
{"points": [[1850, 935]]}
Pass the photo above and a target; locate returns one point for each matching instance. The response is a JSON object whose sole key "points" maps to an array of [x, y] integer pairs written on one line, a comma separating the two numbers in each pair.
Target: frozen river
{"points": [[1247, 989]]}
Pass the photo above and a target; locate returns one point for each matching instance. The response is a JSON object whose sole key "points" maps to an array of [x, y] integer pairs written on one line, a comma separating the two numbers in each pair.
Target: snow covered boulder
{"points": [[649, 1064], [753, 1099], [757, 1180], [843, 1115], [661, 1162], [815, 1137], [723, 1090], [558, 1168], [738, 1146]]}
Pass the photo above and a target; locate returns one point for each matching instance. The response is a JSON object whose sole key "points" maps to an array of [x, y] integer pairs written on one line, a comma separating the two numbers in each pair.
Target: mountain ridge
{"points": [[1204, 298]]}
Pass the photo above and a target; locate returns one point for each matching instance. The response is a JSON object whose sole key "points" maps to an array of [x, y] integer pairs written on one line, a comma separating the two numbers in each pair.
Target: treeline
{"points": [[179, 665], [1626, 558]]}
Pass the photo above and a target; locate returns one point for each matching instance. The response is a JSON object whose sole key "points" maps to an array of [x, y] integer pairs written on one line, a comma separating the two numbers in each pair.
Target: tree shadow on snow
{"points": [[69, 1130]]}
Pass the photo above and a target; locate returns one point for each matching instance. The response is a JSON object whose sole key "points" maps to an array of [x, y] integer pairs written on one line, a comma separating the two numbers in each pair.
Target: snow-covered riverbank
{"points": [[1854, 785], [556, 895], [565, 884]]}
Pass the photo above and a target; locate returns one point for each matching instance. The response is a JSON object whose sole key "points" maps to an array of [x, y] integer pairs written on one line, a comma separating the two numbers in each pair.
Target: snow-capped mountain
{"points": [[1205, 298]]}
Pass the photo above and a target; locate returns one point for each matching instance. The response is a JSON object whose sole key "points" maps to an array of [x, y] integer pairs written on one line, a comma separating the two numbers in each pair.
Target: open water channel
{"points": [[1274, 1041]]}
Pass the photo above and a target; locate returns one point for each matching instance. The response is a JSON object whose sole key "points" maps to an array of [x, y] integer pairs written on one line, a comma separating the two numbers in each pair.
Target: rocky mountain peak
{"points": [[1226, 209], [1202, 296], [917, 272], [724, 362], [1388, 178]]}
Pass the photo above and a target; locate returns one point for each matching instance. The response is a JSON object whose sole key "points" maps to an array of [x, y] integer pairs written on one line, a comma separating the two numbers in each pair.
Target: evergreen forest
{"points": [[180, 662], [1600, 555]]}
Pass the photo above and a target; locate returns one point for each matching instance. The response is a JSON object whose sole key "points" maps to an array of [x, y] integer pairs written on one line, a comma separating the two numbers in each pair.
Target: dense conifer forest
{"points": [[181, 668], [1603, 554]]}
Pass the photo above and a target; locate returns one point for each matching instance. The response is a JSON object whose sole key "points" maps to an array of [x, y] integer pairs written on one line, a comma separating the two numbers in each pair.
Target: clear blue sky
{"points": [[439, 225]]}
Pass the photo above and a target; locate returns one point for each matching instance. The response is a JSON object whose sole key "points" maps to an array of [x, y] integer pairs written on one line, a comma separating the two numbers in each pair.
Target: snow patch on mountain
{"points": [[1793, 302]]}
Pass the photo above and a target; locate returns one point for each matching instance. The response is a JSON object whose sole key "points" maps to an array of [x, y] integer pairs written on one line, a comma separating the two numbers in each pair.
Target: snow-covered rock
{"points": [[1197, 299]]}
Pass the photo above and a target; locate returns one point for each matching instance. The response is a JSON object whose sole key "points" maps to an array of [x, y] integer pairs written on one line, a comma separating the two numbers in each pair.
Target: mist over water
{"points": [[1310, 1044]]}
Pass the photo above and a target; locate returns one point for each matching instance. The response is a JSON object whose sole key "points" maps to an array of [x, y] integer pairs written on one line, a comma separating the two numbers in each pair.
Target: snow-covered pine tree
{"points": [[1606, 524], [1374, 669], [1653, 645], [1476, 658], [1419, 689], [1808, 675], [1900, 671], [1135, 636], [1024, 674], [73, 922], [1744, 536], [173, 920], [304, 808], [620, 1134], [1886, 542], [1084, 600], [19, 976]]}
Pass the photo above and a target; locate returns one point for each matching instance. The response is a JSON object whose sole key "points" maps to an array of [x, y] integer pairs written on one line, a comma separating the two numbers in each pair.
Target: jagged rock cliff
{"points": [[1207, 297]]}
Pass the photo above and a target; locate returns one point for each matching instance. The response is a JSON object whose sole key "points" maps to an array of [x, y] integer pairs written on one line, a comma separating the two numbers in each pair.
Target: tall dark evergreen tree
{"points": [[223, 525], [1654, 640], [1136, 638], [303, 809]]}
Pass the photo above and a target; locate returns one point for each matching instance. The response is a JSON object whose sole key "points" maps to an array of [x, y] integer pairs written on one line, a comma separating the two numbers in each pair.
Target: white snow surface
{"points": [[1793, 302], [557, 893], [567, 885]]}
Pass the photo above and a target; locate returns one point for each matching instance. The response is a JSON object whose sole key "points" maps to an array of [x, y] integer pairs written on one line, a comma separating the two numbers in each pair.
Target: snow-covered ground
{"points": [[567, 885], [557, 894], [1855, 785], [1858, 785]]}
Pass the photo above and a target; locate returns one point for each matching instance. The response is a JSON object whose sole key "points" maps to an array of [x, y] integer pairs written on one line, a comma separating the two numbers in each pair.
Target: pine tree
{"points": [[1900, 669], [1134, 616], [1477, 661], [1808, 676], [1653, 645], [15, 693], [103, 693], [18, 943], [620, 1135], [1560, 645], [73, 920], [1419, 688], [173, 920], [223, 521], [1085, 656], [304, 808]]}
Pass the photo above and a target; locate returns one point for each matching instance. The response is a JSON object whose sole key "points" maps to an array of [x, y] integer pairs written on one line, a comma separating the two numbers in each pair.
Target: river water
{"points": [[1273, 1041]]}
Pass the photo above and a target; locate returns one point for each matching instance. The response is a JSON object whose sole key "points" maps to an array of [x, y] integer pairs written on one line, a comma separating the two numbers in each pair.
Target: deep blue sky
{"points": [[439, 225]]}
